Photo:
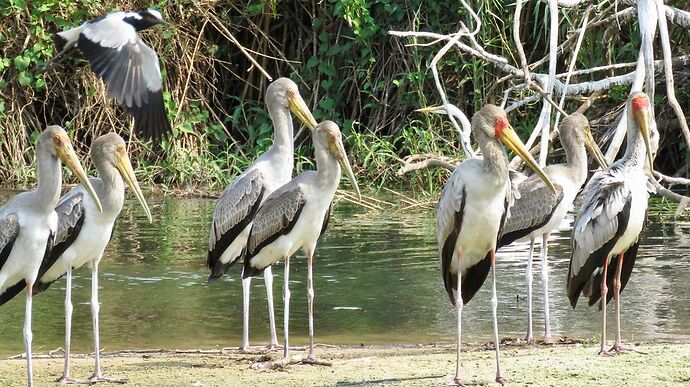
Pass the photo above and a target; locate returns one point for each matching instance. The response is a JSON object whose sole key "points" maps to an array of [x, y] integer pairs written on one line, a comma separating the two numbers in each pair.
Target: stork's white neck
{"points": [[110, 188], [282, 128], [495, 158], [635, 151], [327, 168], [576, 158], [49, 180]]}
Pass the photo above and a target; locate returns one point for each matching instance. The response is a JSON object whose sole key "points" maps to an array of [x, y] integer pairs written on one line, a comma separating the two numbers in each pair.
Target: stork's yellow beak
{"points": [[593, 148], [65, 152], [641, 115], [127, 172], [338, 150], [432, 109], [512, 141], [300, 109]]}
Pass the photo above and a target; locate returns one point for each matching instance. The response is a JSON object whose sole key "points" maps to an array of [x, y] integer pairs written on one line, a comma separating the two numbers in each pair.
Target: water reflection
{"points": [[377, 280]]}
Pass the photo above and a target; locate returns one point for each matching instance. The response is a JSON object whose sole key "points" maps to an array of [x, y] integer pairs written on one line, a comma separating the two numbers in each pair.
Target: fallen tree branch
{"points": [[427, 160]]}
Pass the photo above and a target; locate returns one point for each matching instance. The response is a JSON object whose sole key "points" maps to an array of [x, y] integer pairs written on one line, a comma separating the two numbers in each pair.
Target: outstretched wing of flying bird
{"points": [[131, 70]]}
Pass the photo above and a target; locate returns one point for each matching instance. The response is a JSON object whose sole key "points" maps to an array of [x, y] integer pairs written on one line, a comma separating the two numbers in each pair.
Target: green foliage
{"points": [[348, 68]]}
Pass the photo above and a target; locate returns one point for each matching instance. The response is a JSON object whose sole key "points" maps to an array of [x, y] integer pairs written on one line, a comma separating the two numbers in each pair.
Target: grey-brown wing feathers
{"points": [[71, 215], [603, 215], [9, 229], [451, 208], [234, 211], [13, 290], [275, 217], [532, 209]]}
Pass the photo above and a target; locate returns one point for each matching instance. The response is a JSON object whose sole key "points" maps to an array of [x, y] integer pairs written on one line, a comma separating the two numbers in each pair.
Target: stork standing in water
{"points": [[538, 210], [608, 226], [296, 215], [83, 234], [473, 207], [236, 207], [28, 222]]}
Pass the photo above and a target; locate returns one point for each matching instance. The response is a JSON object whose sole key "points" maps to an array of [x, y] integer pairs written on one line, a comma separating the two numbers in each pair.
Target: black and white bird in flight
{"points": [[128, 66]]}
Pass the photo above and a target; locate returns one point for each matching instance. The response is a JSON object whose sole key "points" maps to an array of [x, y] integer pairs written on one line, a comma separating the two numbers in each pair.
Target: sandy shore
{"points": [[651, 364]]}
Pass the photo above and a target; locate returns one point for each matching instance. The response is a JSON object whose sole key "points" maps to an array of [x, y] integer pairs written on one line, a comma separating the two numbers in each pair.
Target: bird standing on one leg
{"points": [[608, 226], [471, 212], [296, 215], [236, 207], [128, 66], [538, 210], [28, 222]]}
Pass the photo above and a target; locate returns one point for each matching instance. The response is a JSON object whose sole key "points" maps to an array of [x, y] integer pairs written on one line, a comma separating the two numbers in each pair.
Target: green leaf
{"points": [[24, 79], [21, 62], [312, 62]]}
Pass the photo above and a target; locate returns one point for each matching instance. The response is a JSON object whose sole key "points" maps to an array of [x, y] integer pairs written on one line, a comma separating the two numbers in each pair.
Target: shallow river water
{"points": [[377, 281]]}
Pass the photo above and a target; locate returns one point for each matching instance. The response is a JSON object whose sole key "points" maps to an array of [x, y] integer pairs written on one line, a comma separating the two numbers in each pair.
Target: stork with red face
{"points": [[472, 210], [608, 226]]}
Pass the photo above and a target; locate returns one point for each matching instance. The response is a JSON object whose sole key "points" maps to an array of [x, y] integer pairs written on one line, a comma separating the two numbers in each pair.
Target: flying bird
{"points": [[608, 226], [130, 68], [28, 222]]}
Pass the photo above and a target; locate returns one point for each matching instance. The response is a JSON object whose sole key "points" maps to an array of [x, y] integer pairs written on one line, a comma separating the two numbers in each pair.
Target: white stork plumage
{"points": [[296, 215], [538, 210], [128, 66], [472, 209], [608, 226], [236, 207], [83, 233], [28, 222]]}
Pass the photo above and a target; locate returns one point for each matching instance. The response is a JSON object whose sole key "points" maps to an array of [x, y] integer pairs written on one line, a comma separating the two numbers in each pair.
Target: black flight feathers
{"points": [[128, 66]]}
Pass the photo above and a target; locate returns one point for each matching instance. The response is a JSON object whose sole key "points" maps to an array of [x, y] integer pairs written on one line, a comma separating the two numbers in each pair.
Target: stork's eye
{"points": [[57, 140], [499, 125]]}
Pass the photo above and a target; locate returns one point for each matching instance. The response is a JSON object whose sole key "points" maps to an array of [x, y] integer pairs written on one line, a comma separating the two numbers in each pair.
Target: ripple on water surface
{"points": [[376, 277]]}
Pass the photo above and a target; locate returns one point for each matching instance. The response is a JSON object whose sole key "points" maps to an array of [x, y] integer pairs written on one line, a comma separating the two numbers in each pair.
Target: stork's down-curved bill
{"points": [[300, 109], [338, 150], [127, 172], [512, 141], [593, 148], [641, 113], [66, 154]]}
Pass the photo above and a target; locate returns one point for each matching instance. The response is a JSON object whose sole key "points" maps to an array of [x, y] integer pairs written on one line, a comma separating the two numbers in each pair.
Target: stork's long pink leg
{"points": [[494, 306], [529, 338], [310, 302], [66, 378], [246, 290], [458, 306], [95, 309], [268, 280], [618, 346], [28, 335], [604, 292], [286, 310], [545, 283]]}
